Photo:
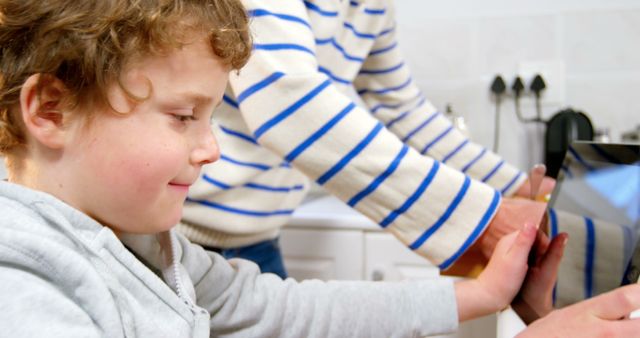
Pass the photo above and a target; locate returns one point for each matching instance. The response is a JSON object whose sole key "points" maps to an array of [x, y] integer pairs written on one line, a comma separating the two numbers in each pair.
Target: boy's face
{"points": [[131, 172]]}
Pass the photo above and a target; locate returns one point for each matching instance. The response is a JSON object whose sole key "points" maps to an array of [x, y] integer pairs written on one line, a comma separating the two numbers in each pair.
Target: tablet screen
{"points": [[598, 195]]}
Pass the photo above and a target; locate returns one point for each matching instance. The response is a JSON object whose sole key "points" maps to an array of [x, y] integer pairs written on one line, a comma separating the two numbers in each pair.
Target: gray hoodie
{"points": [[62, 274]]}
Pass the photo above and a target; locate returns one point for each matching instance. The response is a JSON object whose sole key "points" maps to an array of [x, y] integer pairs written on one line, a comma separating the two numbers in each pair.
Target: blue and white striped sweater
{"points": [[297, 121], [595, 257]]}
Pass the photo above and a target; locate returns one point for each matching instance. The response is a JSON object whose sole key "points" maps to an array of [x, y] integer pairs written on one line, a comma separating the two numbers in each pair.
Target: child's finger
{"points": [[539, 249], [550, 261], [542, 242], [523, 242], [547, 267], [505, 243]]}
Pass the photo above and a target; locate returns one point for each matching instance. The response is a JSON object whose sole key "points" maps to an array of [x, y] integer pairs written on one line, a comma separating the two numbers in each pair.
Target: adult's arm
{"points": [[296, 111], [386, 86]]}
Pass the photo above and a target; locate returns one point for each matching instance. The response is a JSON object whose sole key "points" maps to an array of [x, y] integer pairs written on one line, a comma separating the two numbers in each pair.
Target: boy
{"points": [[104, 122]]}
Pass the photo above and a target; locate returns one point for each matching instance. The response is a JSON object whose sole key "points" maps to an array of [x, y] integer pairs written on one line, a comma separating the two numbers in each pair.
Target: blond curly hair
{"points": [[87, 43]]}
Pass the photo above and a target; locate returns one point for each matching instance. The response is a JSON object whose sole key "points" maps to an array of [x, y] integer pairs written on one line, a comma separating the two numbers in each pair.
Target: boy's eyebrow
{"points": [[193, 97]]}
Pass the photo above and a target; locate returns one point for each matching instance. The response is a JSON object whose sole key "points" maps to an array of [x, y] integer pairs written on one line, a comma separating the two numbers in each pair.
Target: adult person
{"points": [[288, 118]]}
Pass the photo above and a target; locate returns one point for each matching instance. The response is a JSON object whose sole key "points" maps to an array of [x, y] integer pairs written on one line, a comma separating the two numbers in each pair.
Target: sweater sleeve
{"points": [[244, 303], [386, 86], [293, 109], [35, 307]]}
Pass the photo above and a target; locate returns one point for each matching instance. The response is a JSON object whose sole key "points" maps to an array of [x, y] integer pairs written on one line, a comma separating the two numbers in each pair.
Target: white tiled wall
{"points": [[455, 48]]}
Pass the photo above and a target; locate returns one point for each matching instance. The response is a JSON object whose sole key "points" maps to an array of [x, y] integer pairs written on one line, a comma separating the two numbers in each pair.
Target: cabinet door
{"points": [[388, 259], [323, 254]]}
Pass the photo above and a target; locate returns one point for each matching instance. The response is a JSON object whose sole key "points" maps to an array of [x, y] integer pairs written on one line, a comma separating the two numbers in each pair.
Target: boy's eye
{"points": [[183, 118]]}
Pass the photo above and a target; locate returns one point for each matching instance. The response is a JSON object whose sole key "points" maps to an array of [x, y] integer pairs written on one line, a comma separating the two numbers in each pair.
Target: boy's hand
{"points": [[535, 298], [512, 213], [501, 279], [601, 316]]}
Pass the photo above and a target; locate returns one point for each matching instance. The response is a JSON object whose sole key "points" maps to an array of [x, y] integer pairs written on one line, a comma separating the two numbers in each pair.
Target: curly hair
{"points": [[88, 43]]}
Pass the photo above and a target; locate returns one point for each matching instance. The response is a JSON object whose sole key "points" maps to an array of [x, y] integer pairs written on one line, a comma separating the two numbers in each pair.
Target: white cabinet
{"points": [[321, 254], [327, 240], [388, 259]]}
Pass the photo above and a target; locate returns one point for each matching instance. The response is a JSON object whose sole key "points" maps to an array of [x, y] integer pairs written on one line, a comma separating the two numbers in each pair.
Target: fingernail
{"points": [[531, 226], [528, 227]]}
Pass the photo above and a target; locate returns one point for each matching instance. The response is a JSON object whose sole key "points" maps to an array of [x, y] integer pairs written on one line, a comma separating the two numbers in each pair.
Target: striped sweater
{"points": [[600, 245], [290, 116], [595, 258]]}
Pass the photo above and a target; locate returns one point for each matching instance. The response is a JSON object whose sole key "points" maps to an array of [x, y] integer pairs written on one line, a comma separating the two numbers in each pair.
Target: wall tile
{"points": [[455, 49], [600, 41], [437, 49], [610, 101], [505, 42]]}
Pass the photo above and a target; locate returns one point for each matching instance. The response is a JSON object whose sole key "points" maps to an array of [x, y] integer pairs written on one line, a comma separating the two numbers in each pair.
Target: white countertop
{"points": [[328, 212]]}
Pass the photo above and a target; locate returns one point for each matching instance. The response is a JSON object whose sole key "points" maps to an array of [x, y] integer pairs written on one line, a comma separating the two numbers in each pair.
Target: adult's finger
{"points": [[550, 261], [614, 304], [620, 328]]}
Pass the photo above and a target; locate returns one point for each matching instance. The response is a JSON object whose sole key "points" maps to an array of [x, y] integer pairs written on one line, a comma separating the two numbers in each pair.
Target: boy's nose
{"points": [[207, 150]]}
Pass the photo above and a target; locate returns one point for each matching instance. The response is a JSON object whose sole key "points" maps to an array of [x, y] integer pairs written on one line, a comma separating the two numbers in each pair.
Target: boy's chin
{"points": [[171, 222], [157, 225], [160, 228]]}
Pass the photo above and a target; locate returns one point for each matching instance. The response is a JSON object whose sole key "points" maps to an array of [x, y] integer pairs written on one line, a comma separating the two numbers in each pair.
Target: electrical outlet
{"points": [[553, 73]]}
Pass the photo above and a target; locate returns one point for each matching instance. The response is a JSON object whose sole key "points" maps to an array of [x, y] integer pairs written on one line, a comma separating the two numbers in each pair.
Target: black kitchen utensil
{"points": [[564, 127]]}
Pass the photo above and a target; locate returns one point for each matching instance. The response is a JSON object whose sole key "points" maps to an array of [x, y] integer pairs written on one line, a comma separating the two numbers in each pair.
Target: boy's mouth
{"points": [[183, 187], [183, 182], [180, 184]]}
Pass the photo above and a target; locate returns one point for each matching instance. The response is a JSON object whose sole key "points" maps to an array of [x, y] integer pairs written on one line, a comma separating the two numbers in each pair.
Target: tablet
{"points": [[598, 190]]}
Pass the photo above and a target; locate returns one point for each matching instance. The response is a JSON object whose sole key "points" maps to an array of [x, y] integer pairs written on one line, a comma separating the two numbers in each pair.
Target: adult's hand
{"points": [[512, 214], [535, 298], [545, 188], [601, 316]]}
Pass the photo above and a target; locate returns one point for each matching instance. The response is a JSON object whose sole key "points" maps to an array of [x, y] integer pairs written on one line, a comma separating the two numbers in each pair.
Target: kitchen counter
{"points": [[322, 211]]}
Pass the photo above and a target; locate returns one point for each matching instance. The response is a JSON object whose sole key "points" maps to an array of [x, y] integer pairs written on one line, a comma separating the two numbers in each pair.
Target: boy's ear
{"points": [[42, 111]]}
